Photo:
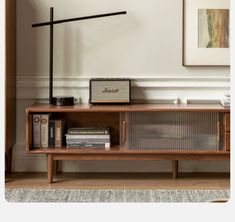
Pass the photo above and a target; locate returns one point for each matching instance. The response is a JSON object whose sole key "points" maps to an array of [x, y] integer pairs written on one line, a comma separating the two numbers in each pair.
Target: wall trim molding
{"points": [[69, 82], [29, 86]]}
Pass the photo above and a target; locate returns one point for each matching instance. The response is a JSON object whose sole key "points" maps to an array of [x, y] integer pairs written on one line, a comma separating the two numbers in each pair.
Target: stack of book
{"points": [[226, 101], [88, 138], [47, 133]]}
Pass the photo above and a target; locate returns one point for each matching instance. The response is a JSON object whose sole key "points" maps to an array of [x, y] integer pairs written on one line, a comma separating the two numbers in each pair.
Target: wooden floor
{"points": [[120, 181]]}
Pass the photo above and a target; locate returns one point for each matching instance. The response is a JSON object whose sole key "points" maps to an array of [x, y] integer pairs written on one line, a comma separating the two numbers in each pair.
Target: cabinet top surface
{"points": [[128, 108]]}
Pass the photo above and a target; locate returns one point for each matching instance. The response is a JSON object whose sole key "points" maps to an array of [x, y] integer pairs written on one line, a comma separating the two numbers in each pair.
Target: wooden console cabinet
{"points": [[142, 132]]}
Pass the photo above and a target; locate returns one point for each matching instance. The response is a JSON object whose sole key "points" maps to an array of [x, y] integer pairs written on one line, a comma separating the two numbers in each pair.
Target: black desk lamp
{"points": [[64, 101]]}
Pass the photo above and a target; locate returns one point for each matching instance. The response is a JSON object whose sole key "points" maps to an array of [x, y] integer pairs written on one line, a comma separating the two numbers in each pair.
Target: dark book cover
{"points": [[51, 139]]}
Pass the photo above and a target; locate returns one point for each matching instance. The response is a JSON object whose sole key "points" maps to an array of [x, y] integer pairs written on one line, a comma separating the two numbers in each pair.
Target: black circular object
{"points": [[63, 101]]}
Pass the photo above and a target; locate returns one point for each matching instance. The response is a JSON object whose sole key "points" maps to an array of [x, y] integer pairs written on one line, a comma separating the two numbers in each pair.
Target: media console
{"points": [[142, 132]]}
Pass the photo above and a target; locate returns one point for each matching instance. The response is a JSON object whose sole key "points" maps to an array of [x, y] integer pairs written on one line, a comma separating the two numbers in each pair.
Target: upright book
{"points": [[51, 134], [44, 130], [36, 131], [59, 132]]}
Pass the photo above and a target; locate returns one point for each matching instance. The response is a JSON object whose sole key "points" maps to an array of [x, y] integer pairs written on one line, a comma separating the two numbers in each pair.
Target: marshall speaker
{"points": [[110, 91]]}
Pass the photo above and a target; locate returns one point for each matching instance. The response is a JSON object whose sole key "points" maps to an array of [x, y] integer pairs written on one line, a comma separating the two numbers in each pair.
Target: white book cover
{"points": [[44, 130], [87, 136], [36, 131]]}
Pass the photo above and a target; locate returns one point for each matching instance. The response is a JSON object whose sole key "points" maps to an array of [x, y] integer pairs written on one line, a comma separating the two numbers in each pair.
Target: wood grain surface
{"points": [[129, 108], [132, 180]]}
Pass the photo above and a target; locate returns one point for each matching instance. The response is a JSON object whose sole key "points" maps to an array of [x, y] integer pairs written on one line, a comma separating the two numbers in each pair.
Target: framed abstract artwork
{"points": [[206, 33]]}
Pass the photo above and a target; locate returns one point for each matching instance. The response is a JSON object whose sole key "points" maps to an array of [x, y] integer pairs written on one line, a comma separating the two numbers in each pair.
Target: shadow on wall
{"points": [[33, 45], [29, 39]]}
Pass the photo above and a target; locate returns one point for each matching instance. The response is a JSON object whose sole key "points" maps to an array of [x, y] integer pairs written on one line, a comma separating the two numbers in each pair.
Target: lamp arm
{"points": [[51, 24], [79, 18]]}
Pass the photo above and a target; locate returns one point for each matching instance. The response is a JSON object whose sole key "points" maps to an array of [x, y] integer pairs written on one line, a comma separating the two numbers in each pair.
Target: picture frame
{"points": [[206, 33]]}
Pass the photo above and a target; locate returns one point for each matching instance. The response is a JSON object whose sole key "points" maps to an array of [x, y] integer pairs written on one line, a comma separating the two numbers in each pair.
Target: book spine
{"points": [[89, 145], [44, 130], [59, 130], [88, 132], [36, 131], [87, 136], [51, 139], [88, 140]]}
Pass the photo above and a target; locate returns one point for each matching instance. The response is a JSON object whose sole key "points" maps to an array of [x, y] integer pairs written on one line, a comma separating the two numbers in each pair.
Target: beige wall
{"points": [[145, 45]]}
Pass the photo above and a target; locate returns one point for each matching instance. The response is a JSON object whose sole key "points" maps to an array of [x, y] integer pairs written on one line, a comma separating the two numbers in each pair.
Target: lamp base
{"points": [[62, 101]]}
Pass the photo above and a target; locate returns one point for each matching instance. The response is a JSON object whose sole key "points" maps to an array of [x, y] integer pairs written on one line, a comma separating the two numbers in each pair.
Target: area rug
{"points": [[114, 196]]}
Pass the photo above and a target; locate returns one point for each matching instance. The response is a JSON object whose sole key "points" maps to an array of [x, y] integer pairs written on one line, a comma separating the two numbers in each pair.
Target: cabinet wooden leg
{"points": [[56, 167], [8, 159], [50, 168], [175, 168]]}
